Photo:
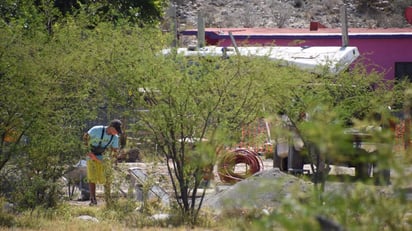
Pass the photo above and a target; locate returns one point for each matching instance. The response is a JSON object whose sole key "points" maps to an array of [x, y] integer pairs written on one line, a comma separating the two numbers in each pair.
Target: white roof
{"points": [[313, 59]]}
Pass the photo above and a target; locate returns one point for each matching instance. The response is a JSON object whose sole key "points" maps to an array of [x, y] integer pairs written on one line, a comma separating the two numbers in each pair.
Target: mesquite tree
{"points": [[196, 105], [42, 111]]}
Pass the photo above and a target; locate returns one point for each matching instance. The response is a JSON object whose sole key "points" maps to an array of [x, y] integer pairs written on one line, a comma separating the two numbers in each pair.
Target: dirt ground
{"points": [[265, 189]]}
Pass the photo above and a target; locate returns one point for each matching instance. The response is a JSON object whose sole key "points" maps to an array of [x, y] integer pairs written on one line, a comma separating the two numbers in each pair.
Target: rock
{"points": [[263, 190], [88, 218], [160, 216], [269, 188], [289, 13]]}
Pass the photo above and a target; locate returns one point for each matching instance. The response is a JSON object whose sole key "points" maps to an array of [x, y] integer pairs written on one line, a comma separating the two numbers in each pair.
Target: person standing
{"points": [[99, 139]]}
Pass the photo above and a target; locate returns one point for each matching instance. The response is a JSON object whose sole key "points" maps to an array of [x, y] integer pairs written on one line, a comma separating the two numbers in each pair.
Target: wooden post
{"points": [[344, 20], [200, 30], [407, 118], [172, 14], [234, 42]]}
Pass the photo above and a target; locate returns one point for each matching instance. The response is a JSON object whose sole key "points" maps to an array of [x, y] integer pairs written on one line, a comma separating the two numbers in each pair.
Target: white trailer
{"points": [[318, 59]]}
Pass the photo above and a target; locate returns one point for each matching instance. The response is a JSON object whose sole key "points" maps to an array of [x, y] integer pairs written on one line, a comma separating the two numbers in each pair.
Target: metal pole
{"points": [[344, 20]]}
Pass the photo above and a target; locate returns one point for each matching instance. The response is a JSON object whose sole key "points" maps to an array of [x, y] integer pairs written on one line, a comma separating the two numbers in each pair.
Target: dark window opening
{"points": [[403, 70]]}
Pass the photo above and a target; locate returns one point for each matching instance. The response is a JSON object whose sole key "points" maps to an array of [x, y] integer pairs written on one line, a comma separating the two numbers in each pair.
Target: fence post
{"points": [[344, 20], [172, 14], [200, 30]]}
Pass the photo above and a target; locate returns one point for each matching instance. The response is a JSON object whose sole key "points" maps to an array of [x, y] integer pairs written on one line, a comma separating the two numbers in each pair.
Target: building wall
{"points": [[379, 52]]}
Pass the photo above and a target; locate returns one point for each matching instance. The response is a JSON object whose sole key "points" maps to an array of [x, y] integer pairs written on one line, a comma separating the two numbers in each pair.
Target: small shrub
{"points": [[6, 220]]}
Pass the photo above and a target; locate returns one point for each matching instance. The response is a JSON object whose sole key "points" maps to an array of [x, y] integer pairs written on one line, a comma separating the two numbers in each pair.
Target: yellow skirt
{"points": [[98, 171]]}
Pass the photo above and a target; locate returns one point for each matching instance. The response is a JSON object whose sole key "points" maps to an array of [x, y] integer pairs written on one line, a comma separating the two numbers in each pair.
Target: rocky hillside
{"points": [[292, 13]]}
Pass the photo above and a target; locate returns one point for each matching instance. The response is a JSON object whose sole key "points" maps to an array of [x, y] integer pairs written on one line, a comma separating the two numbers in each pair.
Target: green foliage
{"points": [[55, 82], [358, 208], [204, 96], [37, 191], [7, 220], [6, 217], [45, 14], [60, 70], [44, 106], [208, 95], [147, 12]]}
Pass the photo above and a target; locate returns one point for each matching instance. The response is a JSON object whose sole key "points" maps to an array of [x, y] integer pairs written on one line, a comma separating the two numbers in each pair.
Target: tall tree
{"points": [[197, 105], [44, 87]]}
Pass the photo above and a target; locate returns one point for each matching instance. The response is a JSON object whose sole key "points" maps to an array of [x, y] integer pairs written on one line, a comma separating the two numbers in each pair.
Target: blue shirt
{"points": [[95, 134]]}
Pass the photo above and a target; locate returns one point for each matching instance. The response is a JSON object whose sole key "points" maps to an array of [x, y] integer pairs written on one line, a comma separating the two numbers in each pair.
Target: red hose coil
{"points": [[229, 160]]}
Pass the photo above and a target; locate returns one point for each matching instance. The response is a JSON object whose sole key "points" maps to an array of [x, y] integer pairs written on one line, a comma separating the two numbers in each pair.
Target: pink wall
{"points": [[384, 53], [378, 51]]}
